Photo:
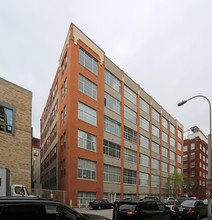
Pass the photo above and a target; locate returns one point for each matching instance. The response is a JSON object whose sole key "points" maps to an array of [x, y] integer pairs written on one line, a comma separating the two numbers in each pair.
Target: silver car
{"points": [[169, 201]]}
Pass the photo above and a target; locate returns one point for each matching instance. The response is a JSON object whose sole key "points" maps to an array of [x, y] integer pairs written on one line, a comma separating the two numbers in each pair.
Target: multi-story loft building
{"points": [[15, 132], [102, 135], [35, 149], [195, 162]]}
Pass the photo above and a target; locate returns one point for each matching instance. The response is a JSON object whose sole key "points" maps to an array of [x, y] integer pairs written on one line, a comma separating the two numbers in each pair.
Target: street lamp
{"points": [[209, 147]]}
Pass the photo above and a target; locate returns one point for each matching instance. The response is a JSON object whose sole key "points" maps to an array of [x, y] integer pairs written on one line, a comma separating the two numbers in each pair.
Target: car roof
{"points": [[135, 201]]}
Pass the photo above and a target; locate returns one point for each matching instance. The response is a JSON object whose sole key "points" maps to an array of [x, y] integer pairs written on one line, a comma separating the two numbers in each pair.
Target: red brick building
{"points": [[102, 135], [195, 163]]}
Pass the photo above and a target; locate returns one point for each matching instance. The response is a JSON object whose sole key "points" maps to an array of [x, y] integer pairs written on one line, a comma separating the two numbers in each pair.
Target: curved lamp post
{"points": [[209, 147]]}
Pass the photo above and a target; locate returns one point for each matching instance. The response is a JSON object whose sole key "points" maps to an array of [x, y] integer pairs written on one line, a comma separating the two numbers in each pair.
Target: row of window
{"points": [[192, 147], [192, 165]]}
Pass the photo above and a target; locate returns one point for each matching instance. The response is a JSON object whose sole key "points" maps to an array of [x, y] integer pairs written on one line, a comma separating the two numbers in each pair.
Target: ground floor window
{"points": [[86, 196]]}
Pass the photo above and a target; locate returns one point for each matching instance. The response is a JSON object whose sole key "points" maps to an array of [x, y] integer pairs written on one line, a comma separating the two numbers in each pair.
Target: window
{"points": [[165, 152], [172, 129], [129, 176], [144, 106], [87, 87], [164, 122], [64, 140], [185, 148], [203, 158], [192, 164], [179, 170], [130, 135], [172, 142], [179, 159], [155, 147], [192, 156], [192, 146], [155, 131], [179, 134], [164, 137], [64, 111], [179, 146], [155, 115], [203, 149], [86, 169], [144, 123], [203, 166], [192, 173], [130, 155], [112, 174], [64, 167], [112, 126], [185, 166], [155, 181], [112, 81], [112, 103], [143, 179], [84, 197], [86, 141], [130, 95], [164, 167], [88, 61], [61, 118], [172, 156], [112, 149], [200, 156], [64, 64], [200, 165], [185, 157], [144, 142], [87, 114], [130, 115], [155, 164], [164, 182], [185, 175], [62, 92], [7, 118], [171, 169], [144, 160], [65, 87], [61, 143]]}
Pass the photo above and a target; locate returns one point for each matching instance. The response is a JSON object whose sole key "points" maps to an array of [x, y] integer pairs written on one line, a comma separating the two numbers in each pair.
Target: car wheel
{"points": [[198, 216], [99, 207]]}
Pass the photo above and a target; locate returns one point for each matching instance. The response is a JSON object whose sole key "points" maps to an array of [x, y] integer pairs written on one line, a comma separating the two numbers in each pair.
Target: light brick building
{"points": [[15, 132], [102, 135]]}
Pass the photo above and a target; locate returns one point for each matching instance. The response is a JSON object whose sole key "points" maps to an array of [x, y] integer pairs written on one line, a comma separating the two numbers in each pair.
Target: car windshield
{"points": [[188, 203], [127, 207]]}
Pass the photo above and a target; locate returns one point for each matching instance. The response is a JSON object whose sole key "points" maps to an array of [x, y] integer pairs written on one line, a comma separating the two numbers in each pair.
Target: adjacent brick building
{"points": [[15, 132], [102, 135], [195, 163]]}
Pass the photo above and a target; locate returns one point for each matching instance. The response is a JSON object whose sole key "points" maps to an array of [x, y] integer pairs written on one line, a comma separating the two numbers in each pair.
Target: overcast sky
{"points": [[164, 46]]}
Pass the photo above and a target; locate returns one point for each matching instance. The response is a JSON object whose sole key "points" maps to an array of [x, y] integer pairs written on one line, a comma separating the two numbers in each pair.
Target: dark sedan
{"points": [[193, 209], [101, 204]]}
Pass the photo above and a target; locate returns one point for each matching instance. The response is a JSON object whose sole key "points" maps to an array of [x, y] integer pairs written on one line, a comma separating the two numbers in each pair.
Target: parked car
{"points": [[169, 201], [26, 208], [142, 209], [101, 204], [194, 209], [151, 197]]}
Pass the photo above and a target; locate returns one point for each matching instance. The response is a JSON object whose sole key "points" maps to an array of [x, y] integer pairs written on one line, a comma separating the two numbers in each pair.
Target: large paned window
{"points": [[164, 182], [171, 169], [112, 126], [87, 87], [164, 123], [130, 115], [155, 147], [129, 176], [172, 155], [112, 81], [130, 155], [84, 197], [86, 141], [111, 149], [7, 118], [144, 123], [172, 129], [144, 106], [155, 164], [164, 137], [155, 181], [144, 142], [88, 61], [112, 174], [179, 159], [172, 142], [179, 134], [130, 135], [155, 115], [164, 167], [179, 146], [155, 131], [86, 169], [144, 160], [143, 179], [130, 95], [87, 114], [112, 103], [165, 152]]}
